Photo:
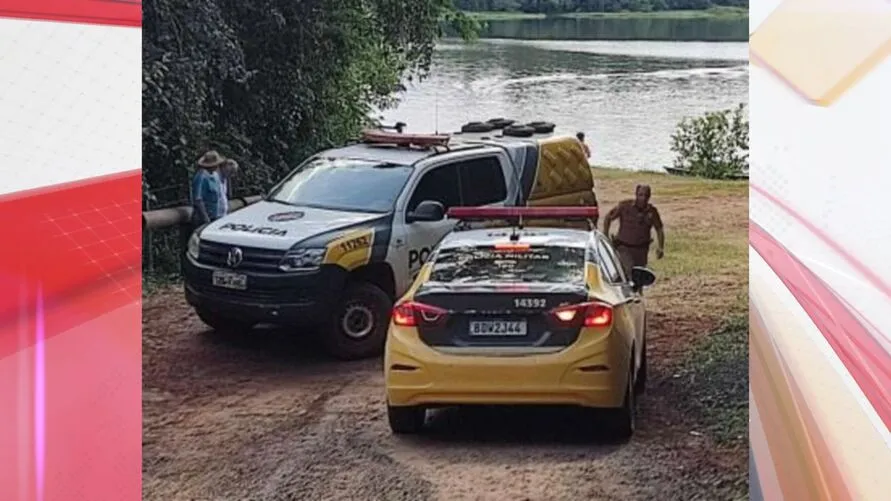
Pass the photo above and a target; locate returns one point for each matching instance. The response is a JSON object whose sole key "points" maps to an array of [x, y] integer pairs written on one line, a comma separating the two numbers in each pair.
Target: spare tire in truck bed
{"points": [[477, 127], [500, 123], [518, 131], [542, 127]]}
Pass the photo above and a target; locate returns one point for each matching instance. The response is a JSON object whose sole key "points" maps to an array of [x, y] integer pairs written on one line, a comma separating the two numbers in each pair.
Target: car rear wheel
{"points": [[407, 420], [358, 327], [623, 420], [224, 324]]}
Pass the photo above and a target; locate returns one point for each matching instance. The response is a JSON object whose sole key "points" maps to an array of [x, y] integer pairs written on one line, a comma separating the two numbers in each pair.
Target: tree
{"points": [[270, 82]]}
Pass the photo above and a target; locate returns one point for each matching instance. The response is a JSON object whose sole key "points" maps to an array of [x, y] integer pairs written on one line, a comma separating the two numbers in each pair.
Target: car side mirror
{"points": [[642, 277], [427, 211]]}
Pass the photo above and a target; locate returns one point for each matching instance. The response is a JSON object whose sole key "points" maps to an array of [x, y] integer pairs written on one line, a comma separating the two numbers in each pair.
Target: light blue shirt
{"points": [[206, 190]]}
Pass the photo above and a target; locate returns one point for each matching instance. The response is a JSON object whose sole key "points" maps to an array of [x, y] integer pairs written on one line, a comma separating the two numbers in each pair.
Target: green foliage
{"points": [[716, 383], [567, 6], [714, 145], [711, 385], [270, 82]]}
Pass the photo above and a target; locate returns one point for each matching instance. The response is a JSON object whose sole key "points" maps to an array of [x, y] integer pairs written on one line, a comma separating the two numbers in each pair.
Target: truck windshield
{"points": [[543, 264], [343, 184]]}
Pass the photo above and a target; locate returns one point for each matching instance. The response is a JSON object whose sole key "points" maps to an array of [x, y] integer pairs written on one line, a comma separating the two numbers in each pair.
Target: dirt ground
{"points": [[266, 417]]}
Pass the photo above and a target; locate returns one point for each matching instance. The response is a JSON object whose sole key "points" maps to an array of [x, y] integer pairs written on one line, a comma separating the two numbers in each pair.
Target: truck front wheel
{"points": [[358, 327]]}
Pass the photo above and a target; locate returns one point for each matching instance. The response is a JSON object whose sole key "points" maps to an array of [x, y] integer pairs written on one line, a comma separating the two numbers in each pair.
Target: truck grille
{"points": [[263, 260]]}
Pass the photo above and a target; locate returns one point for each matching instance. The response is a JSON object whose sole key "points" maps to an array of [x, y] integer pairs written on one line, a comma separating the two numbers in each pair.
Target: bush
{"points": [[715, 145]]}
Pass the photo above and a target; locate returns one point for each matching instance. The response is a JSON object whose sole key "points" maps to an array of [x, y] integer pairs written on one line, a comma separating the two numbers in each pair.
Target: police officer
{"points": [[637, 219]]}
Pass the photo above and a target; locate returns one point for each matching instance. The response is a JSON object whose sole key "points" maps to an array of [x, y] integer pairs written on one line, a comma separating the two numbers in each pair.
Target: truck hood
{"points": [[271, 225]]}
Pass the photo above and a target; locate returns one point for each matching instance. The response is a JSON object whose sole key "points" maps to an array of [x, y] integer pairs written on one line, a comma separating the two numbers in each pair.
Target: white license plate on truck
{"points": [[229, 280], [498, 328]]}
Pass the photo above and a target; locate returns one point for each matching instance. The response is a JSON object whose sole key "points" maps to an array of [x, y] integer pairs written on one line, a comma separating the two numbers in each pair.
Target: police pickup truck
{"points": [[339, 239]]}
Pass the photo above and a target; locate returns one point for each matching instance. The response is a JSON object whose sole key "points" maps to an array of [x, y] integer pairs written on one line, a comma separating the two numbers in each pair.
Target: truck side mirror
{"points": [[427, 211]]}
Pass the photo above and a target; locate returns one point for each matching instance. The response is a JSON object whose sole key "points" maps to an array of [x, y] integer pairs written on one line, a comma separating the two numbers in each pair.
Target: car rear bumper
{"points": [[590, 373]]}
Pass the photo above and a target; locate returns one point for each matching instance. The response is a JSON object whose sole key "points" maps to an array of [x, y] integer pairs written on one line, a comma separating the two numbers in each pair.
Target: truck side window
{"points": [[440, 185], [482, 181]]}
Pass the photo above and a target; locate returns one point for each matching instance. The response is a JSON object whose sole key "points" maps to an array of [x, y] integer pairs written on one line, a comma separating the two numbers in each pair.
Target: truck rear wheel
{"points": [[224, 324], [358, 327]]}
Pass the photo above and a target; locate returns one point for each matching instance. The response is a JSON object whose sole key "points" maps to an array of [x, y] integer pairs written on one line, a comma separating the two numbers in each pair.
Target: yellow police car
{"points": [[519, 313]]}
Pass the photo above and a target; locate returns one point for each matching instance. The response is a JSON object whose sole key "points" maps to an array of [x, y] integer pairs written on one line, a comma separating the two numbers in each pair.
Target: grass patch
{"points": [[723, 13], [714, 381], [156, 282], [703, 254], [704, 273], [503, 16], [705, 188], [672, 186], [711, 13]]}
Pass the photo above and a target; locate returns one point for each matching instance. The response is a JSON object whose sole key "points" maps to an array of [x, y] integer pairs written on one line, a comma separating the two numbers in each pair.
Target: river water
{"points": [[626, 95]]}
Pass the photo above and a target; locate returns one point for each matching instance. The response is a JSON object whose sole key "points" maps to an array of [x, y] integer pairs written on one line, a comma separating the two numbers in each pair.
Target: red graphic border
{"points": [[102, 12]]}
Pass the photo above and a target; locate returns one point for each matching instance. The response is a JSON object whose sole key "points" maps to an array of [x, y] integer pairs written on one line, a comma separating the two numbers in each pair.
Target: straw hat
{"points": [[211, 159]]}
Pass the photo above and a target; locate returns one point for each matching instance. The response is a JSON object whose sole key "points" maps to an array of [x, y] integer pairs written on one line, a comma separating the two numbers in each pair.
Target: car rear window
{"points": [[543, 264]]}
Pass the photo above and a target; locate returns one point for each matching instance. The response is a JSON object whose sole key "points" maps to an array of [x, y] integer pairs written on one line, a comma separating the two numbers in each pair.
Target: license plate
{"points": [[229, 280], [498, 328]]}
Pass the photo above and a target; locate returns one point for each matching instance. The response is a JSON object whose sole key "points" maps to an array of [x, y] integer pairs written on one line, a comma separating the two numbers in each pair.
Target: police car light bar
{"points": [[526, 213], [399, 139]]}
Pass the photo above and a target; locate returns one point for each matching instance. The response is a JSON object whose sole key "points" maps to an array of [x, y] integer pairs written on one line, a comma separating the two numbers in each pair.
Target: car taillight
{"points": [[594, 314], [410, 313], [598, 315]]}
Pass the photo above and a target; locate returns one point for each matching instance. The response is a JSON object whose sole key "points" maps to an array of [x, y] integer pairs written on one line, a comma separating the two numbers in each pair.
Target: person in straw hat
{"points": [[206, 189]]}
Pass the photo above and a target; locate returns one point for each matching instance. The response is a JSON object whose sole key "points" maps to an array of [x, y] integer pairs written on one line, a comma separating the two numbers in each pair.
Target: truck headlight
{"points": [[302, 259], [194, 245]]}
